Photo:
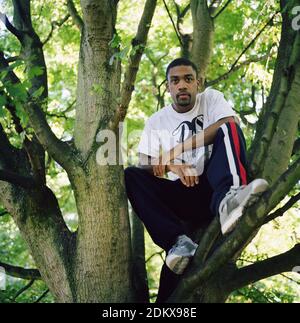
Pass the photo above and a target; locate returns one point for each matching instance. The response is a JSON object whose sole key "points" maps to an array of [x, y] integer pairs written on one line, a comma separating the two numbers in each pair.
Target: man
{"points": [[197, 142]]}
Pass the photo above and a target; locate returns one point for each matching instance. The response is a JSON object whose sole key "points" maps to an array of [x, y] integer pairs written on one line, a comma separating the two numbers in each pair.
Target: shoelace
{"points": [[231, 193], [177, 244]]}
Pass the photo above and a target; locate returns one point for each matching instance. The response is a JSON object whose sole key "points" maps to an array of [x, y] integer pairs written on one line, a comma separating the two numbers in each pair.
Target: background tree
{"points": [[98, 258]]}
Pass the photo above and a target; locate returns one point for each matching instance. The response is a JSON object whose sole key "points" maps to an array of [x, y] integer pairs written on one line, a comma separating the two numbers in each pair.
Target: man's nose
{"points": [[182, 85]]}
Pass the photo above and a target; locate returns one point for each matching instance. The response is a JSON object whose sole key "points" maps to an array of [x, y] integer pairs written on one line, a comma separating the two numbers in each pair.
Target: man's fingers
{"points": [[182, 178], [188, 181], [159, 170], [155, 171], [191, 176]]}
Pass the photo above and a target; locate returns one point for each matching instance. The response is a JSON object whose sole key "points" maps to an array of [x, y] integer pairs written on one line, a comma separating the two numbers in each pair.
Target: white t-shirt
{"points": [[166, 128]]}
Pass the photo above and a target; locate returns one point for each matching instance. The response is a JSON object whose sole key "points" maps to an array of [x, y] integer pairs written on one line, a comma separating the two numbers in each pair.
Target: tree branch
{"points": [[207, 242], [42, 296], [33, 52], [16, 179], [213, 7], [213, 2], [138, 44], [185, 10], [280, 212], [10, 27], [59, 150], [203, 35], [13, 59], [174, 26], [33, 148], [22, 290], [22, 16], [273, 266], [159, 96], [55, 24], [74, 14], [221, 10], [20, 272], [235, 68], [253, 218], [253, 41]]}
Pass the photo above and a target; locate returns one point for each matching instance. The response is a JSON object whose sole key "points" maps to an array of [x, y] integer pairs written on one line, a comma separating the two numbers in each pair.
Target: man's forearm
{"points": [[203, 138]]}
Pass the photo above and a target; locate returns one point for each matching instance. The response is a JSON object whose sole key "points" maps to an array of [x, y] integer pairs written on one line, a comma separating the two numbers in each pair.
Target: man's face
{"points": [[183, 87]]}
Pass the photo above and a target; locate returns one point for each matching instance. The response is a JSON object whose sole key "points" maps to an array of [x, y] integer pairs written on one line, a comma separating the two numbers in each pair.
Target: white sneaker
{"points": [[180, 254], [232, 206]]}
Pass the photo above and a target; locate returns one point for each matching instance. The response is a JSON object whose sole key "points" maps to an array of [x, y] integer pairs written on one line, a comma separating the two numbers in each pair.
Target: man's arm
{"points": [[203, 138], [186, 173]]}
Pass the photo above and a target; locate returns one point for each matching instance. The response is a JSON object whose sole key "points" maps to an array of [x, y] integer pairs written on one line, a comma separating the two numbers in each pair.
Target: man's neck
{"points": [[181, 109]]}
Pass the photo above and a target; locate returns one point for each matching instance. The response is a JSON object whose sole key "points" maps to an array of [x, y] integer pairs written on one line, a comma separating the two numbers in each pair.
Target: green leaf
{"points": [[3, 101], [21, 114], [35, 71], [115, 42], [17, 92], [2, 112], [36, 94]]}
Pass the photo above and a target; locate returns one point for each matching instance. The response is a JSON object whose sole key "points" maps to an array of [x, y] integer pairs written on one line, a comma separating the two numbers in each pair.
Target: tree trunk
{"points": [[102, 265], [203, 33]]}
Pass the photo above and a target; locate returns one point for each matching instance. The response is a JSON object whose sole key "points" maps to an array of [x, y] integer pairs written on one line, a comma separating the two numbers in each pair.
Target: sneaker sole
{"points": [[177, 263], [258, 186]]}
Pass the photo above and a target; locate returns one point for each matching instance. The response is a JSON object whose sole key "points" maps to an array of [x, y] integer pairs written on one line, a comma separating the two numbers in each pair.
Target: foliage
{"points": [[247, 89]]}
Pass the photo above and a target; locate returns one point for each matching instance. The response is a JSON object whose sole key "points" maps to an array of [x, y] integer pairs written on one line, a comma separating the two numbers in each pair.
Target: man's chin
{"points": [[184, 103]]}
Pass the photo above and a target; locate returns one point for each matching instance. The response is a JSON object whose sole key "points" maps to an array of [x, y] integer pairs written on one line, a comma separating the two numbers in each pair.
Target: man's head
{"points": [[182, 83]]}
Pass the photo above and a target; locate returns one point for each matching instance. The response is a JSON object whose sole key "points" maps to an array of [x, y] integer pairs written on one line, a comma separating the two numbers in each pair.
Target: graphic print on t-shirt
{"points": [[187, 129]]}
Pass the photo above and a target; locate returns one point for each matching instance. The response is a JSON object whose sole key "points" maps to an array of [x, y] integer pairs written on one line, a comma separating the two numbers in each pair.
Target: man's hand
{"points": [[159, 170], [187, 174]]}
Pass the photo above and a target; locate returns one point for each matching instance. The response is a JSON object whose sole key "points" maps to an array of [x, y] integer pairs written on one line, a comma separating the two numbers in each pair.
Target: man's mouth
{"points": [[183, 96]]}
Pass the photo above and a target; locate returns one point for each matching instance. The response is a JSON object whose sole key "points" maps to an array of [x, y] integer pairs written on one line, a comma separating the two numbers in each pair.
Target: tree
{"points": [[100, 261]]}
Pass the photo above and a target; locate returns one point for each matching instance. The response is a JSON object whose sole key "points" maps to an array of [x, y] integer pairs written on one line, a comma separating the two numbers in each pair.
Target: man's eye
{"points": [[189, 79]]}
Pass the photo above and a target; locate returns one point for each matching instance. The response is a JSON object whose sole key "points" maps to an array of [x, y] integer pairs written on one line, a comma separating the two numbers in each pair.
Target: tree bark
{"points": [[203, 34], [278, 122]]}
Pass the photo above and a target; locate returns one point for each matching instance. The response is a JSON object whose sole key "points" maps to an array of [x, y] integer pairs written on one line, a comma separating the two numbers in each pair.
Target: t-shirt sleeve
{"points": [[149, 143], [218, 107]]}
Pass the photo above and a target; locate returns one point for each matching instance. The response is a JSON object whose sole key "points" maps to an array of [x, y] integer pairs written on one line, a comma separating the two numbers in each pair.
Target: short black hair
{"points": [[181, 62]]}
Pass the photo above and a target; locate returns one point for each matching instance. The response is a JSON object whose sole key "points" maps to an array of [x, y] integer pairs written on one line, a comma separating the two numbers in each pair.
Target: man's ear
{"points": [[200, 82]]}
